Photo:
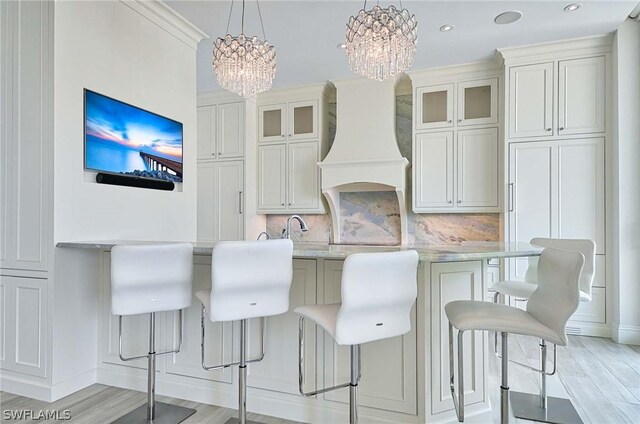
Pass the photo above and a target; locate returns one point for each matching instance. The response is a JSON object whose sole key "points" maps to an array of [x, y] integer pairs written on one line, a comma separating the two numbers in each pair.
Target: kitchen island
{"points": [[404, 379]]}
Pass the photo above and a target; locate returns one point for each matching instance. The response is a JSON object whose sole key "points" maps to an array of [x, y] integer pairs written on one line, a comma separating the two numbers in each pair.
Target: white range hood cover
{"points": [[364, 155]]}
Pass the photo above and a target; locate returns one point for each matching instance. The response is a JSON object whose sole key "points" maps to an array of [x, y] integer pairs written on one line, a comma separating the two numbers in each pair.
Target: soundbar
{"points": [[133, 181]]}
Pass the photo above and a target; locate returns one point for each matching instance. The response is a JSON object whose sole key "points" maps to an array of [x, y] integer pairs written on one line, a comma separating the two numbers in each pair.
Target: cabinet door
{"points": [[388, 366], [303, 120], [277, 371], [219, 336], [23, 330], [303, 176], [477, 168], [272, 162], [531, 100], [435, 107], [206, 132], [581, 191], [229, 208], [581, 96], [230, 130], [455, 281], [433, 171], [206, 201], [533, 194], [478, 102], [272, 122]]}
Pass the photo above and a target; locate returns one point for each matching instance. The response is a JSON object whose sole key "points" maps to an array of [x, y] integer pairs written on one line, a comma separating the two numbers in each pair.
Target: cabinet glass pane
{"points": [[477, 102], [272, 123], [303, 120], [434, 107]]}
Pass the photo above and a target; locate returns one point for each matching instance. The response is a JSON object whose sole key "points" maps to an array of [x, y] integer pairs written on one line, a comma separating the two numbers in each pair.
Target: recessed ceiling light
{"points": [[572, 7], [341, 45], [446, 28], [508, 17]]}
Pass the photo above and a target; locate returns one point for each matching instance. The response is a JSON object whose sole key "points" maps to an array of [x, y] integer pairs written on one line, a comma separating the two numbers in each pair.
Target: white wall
{"points": [[111, 48], [626, 184]]}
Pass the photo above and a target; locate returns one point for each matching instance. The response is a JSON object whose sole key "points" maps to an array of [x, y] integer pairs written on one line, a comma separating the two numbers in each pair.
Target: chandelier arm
{"points": [[261, 23], [229, 18]]}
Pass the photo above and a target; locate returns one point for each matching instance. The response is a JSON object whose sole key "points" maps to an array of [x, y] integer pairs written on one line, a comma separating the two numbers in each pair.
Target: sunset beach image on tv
{"points": [[120, 138]]}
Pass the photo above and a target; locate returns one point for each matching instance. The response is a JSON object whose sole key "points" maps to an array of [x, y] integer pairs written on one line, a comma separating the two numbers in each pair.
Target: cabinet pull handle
{"points": [[510, 197], [459, 120], [459, 201], [561, 128], [240, 202], [548, 129]]}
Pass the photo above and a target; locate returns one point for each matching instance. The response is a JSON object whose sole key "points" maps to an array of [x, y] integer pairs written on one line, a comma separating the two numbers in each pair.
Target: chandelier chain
{"points": [[264, 35], [242, 25], [229, 18]]}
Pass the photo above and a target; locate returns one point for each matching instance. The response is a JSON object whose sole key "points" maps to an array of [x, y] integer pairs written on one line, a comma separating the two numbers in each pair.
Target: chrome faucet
{"points": [[286, 233]]}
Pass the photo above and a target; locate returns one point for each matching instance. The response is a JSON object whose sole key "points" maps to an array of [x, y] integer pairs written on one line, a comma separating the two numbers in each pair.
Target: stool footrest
{"points": [[164, 414], [558, 410]]}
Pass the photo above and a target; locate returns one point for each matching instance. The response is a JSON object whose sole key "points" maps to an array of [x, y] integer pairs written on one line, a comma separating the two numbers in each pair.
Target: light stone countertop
{"points": [[469, 251]]}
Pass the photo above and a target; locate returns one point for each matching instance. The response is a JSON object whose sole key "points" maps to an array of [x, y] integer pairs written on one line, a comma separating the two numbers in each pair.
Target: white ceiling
{"points": [[305, 32]]}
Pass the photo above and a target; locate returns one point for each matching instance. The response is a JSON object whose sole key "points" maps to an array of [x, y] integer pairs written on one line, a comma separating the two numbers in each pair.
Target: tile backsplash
{"points": [[373, 217]]}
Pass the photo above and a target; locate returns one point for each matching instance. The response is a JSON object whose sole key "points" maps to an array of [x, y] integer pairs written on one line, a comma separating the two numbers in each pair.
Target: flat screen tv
{"points": [[124, 139]]}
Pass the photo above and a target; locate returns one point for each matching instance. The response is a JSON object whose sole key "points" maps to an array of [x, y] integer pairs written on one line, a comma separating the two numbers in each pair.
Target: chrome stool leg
{"points": [[543, 408], [153, 412], [353, 384], [504, 387]]}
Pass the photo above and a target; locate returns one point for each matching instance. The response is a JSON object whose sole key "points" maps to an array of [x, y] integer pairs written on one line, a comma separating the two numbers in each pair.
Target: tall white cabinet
{"points": [[26, 168], [220, 168], [556, 160], [456, 149], [292, 138]]}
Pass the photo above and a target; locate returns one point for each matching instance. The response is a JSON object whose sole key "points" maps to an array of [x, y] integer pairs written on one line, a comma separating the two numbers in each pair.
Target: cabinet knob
{"points": [[289, 204], [548, 129], [459, 120], [449, 121], [459, 201], [560, 129], [219, 154], [282, 135], [213, 154], [289, 135], [449, 201], [282, 204]]}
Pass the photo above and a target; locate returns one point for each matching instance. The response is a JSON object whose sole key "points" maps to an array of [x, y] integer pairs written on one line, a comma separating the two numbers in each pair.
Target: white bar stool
{"points": [[249, 279], [378, 292], [148, 279], [549, 308], [541, 407]]}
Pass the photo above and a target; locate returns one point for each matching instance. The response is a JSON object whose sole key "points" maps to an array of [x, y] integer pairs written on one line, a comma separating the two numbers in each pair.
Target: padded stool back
{"points": [[378, 291], [250, 279], [151, 278]]}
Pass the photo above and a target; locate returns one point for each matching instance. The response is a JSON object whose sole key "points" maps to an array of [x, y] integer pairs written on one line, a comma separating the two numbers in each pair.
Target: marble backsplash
{"points": [[373, 217]]}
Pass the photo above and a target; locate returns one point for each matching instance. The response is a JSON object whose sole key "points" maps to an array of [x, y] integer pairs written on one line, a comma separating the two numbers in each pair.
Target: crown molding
{"points": [[597, 44], [168, 19]]}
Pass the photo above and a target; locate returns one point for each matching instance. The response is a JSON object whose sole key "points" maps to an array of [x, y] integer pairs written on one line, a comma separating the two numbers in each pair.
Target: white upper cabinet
{"points": [[477, 168], [478, 102], [221, 131], [433, 170], [581, 87], [435, 107], [303, 120], [272, 177], [303, 175], [531, 100], [288, 121], [206, 132], [230, 136], [272, 122]]}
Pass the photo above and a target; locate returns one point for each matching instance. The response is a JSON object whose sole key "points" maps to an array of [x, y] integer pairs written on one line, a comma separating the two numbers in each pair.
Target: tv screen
{"points": [[120, 138]]}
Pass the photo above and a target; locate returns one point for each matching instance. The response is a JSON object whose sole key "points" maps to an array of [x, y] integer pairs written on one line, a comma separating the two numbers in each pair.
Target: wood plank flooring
{"points": [[601, 378]]}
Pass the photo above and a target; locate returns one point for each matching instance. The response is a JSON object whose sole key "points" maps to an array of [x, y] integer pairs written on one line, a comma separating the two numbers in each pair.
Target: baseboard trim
{"points": [[73, 384], [626, 334], [290, 407], [23, 386], [592, 329]]}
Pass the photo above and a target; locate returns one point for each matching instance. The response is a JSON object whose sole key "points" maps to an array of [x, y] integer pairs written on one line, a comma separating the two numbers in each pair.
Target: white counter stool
{"points": [[549, 308], [541, 407], [146, 279], [249, 279], [378, 292]]}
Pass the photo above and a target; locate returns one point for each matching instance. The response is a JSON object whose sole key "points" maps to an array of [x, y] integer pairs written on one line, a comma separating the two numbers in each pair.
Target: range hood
{"points": [[364, 155]]}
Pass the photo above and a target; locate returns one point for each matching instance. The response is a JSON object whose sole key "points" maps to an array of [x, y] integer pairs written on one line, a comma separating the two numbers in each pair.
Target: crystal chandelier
{"points": [[381, 42], [244, 65]]}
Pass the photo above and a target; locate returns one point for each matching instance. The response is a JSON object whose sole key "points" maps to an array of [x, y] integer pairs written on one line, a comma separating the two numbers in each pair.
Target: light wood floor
{"points": [[602, 379]]}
